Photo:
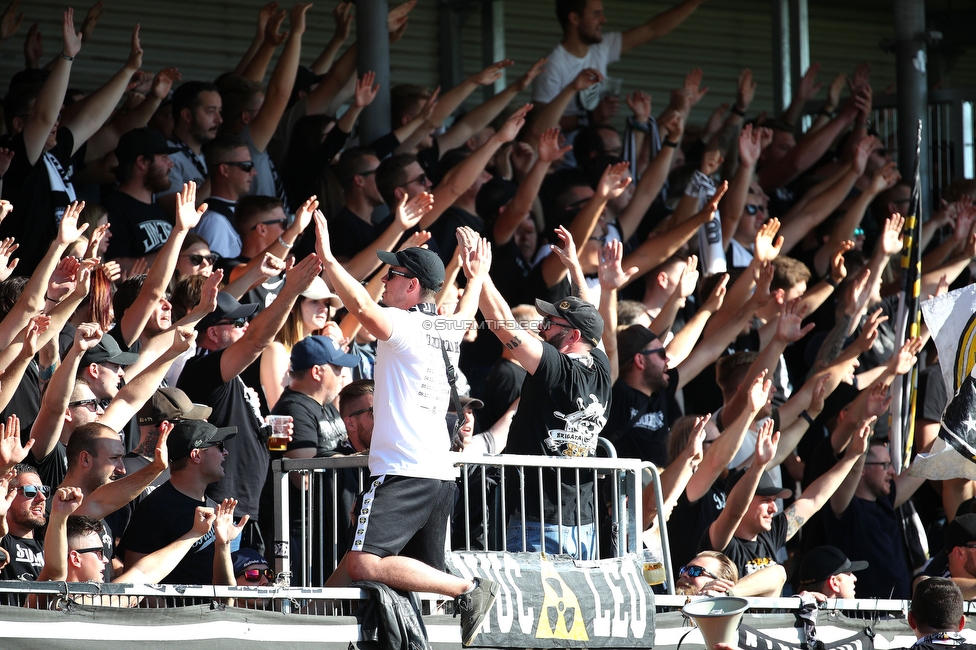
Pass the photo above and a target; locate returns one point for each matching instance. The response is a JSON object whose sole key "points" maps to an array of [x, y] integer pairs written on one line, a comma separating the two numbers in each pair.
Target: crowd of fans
{"points": [[720, 298]]}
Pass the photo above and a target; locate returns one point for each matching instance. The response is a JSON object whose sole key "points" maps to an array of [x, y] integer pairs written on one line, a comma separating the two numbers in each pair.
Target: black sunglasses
{"points": [[245, 165], [548, 322], [753, 209], [90, 404], [270, 223], [662, 352], [360, 412], [391, 273], [422, 179], [884, 465], [218, 445], [30, 491], [695, 571], [254, 575], [196, 259], [98, 550], [237, 322]]}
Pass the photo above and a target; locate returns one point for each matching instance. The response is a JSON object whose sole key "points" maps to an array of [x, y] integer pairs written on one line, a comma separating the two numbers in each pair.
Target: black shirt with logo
{"points": [[137, 228], [647, 437]]}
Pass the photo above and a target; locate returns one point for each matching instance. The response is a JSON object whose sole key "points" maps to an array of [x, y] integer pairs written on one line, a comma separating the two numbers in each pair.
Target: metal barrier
{"points": [[319, 522]]}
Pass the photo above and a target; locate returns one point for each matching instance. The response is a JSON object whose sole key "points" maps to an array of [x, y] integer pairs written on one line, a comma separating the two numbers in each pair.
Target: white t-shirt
{"points": [[562, 67], [184, 171], [410, 435]]}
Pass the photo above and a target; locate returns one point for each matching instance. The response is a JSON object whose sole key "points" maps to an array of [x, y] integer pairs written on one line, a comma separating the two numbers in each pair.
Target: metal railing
{"points": [[312, 535]]}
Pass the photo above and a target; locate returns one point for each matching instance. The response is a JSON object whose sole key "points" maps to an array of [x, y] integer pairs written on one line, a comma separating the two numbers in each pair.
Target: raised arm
{"points": [[658, 26], [683, 343], [475, 260], [256, 65], [265, 14], [734, 203], [262, 127], [514, 213], [65, 501], [526, 349], [407, 215], [550, 114]]}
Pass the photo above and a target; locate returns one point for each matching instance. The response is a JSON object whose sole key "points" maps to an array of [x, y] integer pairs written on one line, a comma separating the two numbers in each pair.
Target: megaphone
{"points": [[717, 618]]}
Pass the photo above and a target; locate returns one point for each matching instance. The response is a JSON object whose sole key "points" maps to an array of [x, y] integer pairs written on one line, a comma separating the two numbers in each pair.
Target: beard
{"points": [[654, 380], [558, 340], [158, 179]]}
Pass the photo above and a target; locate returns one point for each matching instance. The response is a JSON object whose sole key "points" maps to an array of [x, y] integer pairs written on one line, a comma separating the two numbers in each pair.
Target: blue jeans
{"points": [[578, 541]]}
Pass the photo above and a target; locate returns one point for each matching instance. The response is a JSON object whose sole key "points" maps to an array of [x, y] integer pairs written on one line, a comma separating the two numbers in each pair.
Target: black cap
{"points": [[246, 558], [824, 561], [188, 435], [227, 309], [318, 350], [108, 351], [423, 263], [580, 314], [767, 488], [169, 403], [632, 340], [142, 142], [492, 196], [961, 531]]}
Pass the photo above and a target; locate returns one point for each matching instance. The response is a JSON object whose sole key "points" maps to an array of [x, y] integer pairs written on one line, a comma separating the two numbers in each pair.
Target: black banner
{"points": [[558, 602], [752, 639]]}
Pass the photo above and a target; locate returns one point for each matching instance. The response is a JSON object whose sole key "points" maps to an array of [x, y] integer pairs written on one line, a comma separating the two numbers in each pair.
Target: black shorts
{"points": [[404, 515]]}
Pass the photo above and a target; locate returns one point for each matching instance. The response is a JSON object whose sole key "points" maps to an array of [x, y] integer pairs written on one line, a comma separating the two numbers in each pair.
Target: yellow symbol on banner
{"points": [[560, 616], [965, 353]]}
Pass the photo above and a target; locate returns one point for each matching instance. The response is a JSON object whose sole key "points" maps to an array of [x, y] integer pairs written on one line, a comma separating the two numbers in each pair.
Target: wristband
{"points": [[806, 416], [669, 143], [643, 127], [282, 242], [738, 111], [829, 280], [66, 57], [50, 299]]}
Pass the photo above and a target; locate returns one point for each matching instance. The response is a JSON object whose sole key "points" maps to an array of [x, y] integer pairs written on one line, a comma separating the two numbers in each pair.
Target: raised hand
{"points": [[187, 213], [711, 206], [134, 61], [862, 152], [163, 82], [66, 500], [492, 73], [611, 274], [521, 156], [265, 14], [759, 392], [689, 277], [11, 451], [869, 331], [365, 90], [35, 327], [417, 240], [859, 441], [878, 400], [342, 16], [857, 293], [225, 530], [838, 269], [750, 145], [87, 336], [766, 442], [6, 207], [715, 299], [767, 244], [764, 278], [210, 289], [711, 161], [72, 38], [397, 16], [809, 87], [586, 78], [161, 453], [203, 521], [834, 90], [695, 447], [95, 242], [819, 396], [549, 146], [534, 71], [789, 328], [566, 252], [475, 253], [301, 275], [91, 20], [185, 335], [297, 18], [271, 33], [63, 279], [271, 266], [409, 213], [614, 181], [746, 90], [902, 362], [513, 124], [639, 103], [10, 20], [7, 265], [322, 245], [68, 230], [885, 178], [892, 238], [717, 118]]}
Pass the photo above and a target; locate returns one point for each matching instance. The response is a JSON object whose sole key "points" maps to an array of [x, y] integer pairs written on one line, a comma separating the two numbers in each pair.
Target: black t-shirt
{"points": [[38, 209], [137, 228], [163, 517], [26, 401], [502, 387], [563, 409], [868, 530], [510, 273], [647, 438], [246, 465], [52, 468], [26, 557], [349, 234], [444, 230], [689, 521], [932, 395], [752, 555], [317, 426], [119, 520]]}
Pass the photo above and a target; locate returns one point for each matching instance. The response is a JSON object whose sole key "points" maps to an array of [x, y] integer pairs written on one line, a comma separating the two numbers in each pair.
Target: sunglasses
{"points": [[237, 322], [30, 491], [245, 165], [367, 173], [422, 179], [751, 210], [254, 575], [196, 259], [661, 352], [548, 322], [694, 571], [884, 465], [360, 412], [218, 445], [97, 550], [90, 404], [859, 232], [270, 223], [391, 273]]}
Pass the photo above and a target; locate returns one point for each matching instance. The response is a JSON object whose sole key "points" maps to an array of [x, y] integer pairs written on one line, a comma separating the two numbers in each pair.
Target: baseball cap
{"points": [[142, 142], [767, 488], [227, 309], [580, 314], [960, 531], [108, 351], [172, 404], [824, 561], [319, 290], [246, 558], [188, 435], [424, 264], [466, 403], [632, 340], [318, 350]]}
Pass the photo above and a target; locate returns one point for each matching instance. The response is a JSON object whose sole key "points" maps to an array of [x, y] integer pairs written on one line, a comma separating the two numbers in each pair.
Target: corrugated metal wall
{"points": [[204, 38]]}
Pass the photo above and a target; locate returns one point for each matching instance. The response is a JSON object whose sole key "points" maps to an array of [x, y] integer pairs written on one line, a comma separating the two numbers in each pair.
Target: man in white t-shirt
{"points": [[401, 517], [584, 46]]}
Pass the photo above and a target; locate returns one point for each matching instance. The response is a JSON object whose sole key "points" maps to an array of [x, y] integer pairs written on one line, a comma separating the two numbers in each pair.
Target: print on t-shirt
{"points": [[582, 429]]}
